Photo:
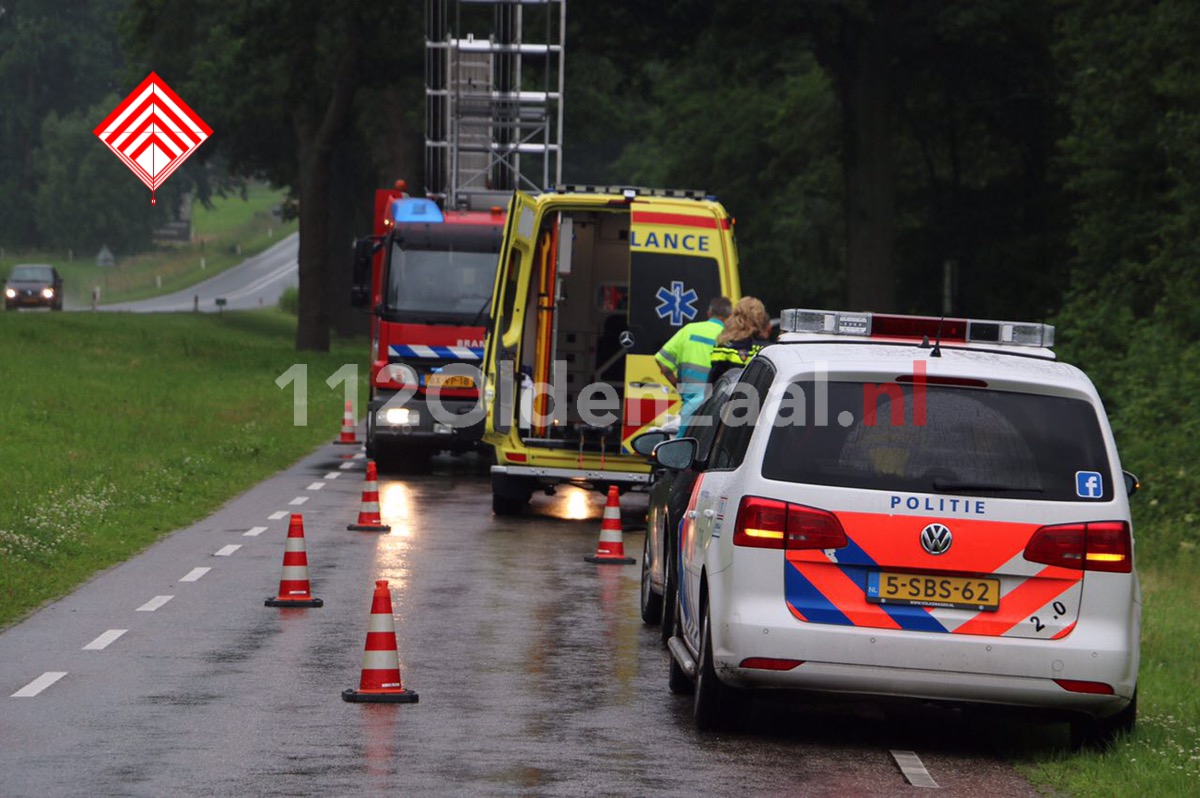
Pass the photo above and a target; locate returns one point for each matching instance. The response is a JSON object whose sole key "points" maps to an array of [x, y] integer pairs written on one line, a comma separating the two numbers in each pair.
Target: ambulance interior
{"points": [[577, 309]]}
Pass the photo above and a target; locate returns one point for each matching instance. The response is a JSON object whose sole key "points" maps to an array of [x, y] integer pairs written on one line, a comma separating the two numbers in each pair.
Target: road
{"points": [[534, 672], [256, 282]]}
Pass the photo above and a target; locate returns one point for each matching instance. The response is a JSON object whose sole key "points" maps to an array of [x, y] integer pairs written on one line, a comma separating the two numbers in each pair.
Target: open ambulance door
{"points": [[502, 351], [667, 289]]}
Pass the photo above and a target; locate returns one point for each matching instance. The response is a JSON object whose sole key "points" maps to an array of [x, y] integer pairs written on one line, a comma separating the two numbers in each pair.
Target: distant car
{"points": [[668, 499], [33, 285], [882, 516]]}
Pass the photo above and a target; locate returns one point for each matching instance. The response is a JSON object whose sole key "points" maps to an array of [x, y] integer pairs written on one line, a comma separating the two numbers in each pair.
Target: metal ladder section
{"points": [[494, 105]]}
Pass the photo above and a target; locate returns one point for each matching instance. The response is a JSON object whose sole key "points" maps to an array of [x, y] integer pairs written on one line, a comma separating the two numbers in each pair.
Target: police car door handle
{"points": [[691, 514], [710, 513]]}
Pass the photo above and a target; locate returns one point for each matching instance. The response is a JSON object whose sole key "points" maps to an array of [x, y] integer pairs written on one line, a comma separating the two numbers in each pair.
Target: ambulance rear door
{"points": [[675, 270]]}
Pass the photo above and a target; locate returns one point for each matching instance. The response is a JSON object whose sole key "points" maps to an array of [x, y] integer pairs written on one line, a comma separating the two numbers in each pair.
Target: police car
{"points": [[912, 507]]}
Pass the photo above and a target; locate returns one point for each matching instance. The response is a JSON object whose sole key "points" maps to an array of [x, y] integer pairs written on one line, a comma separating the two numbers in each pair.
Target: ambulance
{"points": [[591, 282]]}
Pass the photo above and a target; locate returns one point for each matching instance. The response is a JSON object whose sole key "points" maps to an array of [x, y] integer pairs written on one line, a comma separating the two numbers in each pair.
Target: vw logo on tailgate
{"points": [[936, 539]]}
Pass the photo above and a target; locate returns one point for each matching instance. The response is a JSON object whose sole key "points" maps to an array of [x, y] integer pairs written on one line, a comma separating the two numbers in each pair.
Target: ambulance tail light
{"points": [[917, 328], [771, 524], [1092, 546]]}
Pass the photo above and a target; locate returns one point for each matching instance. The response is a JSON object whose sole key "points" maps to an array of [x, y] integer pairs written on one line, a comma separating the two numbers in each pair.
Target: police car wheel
{"points": [[1099, 734], [651, 602], [677, 680], [712, 710]]}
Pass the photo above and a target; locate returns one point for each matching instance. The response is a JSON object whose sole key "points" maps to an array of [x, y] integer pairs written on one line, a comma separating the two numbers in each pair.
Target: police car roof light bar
{"points": [[889, 325]]}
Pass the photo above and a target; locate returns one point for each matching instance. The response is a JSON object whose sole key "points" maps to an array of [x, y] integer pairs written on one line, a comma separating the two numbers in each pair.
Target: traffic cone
{"points": [[348, 425], [610, 550], [294, 590], [368, 516], [380, 680]]}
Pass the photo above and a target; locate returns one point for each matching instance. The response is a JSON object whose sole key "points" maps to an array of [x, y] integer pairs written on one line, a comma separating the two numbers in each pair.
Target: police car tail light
{"points": [[1080, 686], [761, 523], [916, 328], [1091, 546], [771, 524], [770, 663]]}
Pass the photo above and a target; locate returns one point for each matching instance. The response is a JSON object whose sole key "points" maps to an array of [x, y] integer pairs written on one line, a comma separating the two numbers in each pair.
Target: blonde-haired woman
{"points": [[746, 331]]}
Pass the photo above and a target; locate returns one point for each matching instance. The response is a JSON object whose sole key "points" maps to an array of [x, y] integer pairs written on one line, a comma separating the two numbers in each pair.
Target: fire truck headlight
{"points": [[398, 417], [11, 293], [48, 293]]}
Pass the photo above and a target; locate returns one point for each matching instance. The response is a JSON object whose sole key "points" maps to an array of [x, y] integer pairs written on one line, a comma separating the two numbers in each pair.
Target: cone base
{"points": [[348, 443], [369, 527], [287, 602], [602, 560], [367, 697]]}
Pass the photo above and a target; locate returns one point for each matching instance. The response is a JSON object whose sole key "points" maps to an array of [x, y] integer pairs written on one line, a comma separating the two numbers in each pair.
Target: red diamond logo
{"points": [[153, 132]]}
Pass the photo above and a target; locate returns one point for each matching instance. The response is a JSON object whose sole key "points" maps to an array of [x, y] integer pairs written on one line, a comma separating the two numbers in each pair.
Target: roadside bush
{"points": [[289, 301]]}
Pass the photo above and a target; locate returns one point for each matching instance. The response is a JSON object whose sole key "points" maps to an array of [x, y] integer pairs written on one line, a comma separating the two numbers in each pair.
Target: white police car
{"points": [[915, 507]]}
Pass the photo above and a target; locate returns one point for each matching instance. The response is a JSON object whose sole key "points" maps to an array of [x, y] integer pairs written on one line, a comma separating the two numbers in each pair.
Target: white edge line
{"points": [[154, 603], [103, 641], [194, 574], [913, 769], [39, 684]]}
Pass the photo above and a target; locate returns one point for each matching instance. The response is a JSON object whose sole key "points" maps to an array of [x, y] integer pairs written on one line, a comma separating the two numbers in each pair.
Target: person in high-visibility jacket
{"points": [[746, 331], [685, 359]]}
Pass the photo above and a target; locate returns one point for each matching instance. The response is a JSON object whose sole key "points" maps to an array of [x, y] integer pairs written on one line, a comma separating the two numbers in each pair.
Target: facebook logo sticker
{"points": [[1089, 484]]}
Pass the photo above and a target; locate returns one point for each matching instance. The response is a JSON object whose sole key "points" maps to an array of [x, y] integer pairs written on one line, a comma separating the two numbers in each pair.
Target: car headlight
{"points": [[48, 293], [11, 293]]}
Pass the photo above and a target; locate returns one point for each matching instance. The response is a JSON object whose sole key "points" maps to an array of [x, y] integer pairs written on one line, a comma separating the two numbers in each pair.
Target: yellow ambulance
{"points": [[592, 281]]}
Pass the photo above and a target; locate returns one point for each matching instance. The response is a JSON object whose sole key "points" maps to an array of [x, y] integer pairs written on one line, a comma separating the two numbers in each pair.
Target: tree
{"points": [[281, 81]]}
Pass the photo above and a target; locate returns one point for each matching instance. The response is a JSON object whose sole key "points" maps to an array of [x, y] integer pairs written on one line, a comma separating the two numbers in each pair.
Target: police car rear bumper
{"points": [[884, 662]]}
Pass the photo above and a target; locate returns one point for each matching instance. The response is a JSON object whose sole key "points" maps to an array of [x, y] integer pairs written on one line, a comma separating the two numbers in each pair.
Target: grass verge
{"points": [[222, 236], [124, 427]]}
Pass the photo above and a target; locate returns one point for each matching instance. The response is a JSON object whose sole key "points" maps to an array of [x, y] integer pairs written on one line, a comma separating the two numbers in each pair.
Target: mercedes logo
{"points": [[626, 339], [936, 539]]}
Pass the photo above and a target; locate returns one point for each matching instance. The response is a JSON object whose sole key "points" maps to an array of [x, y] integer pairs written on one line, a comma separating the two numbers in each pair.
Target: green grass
{"points": [[223, 236], [1162, 756], [120, 428]]}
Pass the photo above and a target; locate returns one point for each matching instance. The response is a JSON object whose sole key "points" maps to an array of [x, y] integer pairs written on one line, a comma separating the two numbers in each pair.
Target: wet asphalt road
{"points": [[535, 674]]}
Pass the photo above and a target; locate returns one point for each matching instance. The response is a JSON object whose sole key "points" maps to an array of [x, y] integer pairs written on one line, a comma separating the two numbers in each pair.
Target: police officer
{"points": [[686, 358], [746, 331]]}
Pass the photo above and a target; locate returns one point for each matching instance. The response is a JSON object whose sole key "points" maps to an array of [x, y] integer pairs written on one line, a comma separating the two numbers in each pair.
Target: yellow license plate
{"points": [[449, 381], [926, 590]]}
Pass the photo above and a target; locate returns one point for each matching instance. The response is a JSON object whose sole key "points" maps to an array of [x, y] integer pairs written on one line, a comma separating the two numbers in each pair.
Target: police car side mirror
{"points": [[676, 454], [644, 444], [1131, 483]]}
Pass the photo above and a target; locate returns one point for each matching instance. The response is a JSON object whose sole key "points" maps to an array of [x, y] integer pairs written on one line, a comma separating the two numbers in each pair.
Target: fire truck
{"points": [[493, 119]]}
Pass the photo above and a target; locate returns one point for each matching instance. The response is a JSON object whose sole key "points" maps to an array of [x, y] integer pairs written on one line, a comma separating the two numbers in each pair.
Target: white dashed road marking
{"points": [[277, 515], [102, 642], [195, 574], [316, 486], [254, 531], [225, 551], [332, 475], [913, 769], [39, 684], [154, 603], [346, 466], [298, 500]]}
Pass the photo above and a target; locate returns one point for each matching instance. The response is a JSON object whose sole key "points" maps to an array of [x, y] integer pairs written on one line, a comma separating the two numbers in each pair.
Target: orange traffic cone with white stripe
{"points": [[348, 425], [610, 550], [294, 590], [380, 680], [369, 519]]}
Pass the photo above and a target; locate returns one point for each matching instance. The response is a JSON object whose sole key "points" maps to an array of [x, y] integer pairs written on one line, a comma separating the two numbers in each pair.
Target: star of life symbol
{"points": [[153, 132], [676, 303]]}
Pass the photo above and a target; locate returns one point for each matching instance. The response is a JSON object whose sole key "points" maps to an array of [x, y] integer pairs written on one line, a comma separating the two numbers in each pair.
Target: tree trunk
{"points": [[312, 326], [868, 161]]}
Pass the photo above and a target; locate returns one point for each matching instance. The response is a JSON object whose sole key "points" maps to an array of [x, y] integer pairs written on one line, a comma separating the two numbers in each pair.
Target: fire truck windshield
{"points": [[439, 283]]}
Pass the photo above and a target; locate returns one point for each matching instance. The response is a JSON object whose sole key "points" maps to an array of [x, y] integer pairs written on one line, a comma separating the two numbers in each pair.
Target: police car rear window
{"points": [[939, 439]]}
